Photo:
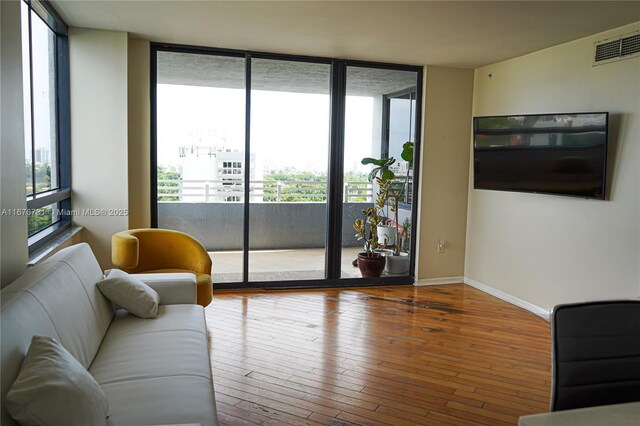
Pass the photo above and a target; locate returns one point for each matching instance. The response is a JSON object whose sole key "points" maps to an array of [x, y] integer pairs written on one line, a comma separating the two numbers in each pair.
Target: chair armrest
{"points": [[173, 288]]}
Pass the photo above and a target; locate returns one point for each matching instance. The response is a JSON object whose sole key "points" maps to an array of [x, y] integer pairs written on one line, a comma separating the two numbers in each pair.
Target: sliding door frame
{"points": [[335, 172]]}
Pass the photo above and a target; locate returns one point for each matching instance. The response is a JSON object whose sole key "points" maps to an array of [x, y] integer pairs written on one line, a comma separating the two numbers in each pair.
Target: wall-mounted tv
{"points": [[560, 154]]}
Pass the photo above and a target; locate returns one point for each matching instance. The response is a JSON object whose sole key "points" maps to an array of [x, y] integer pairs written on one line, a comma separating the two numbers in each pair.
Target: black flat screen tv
{"points": [[559, 154]]}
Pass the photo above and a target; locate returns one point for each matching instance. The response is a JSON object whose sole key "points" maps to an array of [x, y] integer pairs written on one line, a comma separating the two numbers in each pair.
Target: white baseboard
{"points": [[508, 298], [439, 281]]}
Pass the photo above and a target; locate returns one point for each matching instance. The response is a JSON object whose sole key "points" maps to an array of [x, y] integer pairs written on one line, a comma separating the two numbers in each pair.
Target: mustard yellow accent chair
{"points": [[150, 250]]}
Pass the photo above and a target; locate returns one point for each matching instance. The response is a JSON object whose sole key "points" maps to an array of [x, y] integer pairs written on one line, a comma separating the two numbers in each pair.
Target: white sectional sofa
{"points": [[153, 371]]}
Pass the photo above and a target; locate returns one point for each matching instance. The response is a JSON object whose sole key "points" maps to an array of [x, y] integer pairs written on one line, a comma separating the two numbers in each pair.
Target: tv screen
{"points": [[561, 154]]}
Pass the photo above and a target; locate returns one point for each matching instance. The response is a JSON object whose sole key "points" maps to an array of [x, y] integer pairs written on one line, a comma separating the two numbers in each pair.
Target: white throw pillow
{"points": [[129, 292], [53, 388]]}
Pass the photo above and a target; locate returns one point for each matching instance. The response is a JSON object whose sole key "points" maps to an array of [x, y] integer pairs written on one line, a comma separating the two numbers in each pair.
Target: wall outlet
{"points": [[440, 246]]}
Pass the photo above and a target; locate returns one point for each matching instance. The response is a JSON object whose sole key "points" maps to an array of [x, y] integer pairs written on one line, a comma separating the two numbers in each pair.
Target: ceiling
{"points": [[275, 75], [464, 34]]}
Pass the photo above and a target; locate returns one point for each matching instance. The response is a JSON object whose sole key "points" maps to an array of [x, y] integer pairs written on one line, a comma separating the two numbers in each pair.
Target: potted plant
{"points": [[381, 172], [388, 199], [398, 262], [371, 261]]}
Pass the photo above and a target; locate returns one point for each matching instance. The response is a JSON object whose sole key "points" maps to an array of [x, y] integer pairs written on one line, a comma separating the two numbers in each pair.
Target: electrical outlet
{"points": [[440, 246]]}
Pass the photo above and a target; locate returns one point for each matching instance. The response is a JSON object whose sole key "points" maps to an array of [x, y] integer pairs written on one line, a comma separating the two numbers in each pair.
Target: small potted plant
{"points": [[381, 172], [398, 262], [371, 262]]}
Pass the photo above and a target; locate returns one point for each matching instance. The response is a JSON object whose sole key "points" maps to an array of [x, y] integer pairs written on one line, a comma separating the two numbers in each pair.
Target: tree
{"points": [[169, 180], [39, 219], [43, 177], [300, 186]]}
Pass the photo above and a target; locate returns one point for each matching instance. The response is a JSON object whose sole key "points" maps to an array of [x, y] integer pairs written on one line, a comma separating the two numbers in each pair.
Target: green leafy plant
{"points": [[367, 229], [372, 219], [407, 153], [384, 177], [368, 234], [381, 167], [406, 234]]}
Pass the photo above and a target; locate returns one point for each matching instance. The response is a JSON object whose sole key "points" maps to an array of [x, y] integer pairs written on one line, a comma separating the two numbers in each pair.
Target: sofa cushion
{"points": [[52, 388], [170, 318], [129, 292], [154, 401], [147, 368]]}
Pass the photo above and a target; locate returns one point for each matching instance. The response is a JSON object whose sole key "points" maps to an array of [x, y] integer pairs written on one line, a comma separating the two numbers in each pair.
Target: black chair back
{"points": [[596, 354]]}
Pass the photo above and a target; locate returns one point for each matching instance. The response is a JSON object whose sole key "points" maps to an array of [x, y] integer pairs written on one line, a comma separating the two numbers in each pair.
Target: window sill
{"points": [[53, 245]]}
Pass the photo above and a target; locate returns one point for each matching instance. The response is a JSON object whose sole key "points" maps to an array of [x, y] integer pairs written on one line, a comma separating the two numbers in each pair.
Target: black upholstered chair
{"points": [[596, 354]]}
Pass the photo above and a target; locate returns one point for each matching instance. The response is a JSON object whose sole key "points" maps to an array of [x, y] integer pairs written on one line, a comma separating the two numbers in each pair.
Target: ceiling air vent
{"points": [[617, 48], [608, 50], [630, 45]]}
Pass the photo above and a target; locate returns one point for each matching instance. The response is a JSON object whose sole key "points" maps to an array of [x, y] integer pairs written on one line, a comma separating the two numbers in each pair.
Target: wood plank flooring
{"points": [[407, 355]]}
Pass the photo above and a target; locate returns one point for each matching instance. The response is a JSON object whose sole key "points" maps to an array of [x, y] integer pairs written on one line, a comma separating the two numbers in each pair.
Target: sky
{"points": [[287, 129]]}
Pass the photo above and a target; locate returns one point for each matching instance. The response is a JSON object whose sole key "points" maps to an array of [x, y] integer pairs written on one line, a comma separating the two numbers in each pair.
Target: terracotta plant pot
{"points": [[371, 266]]}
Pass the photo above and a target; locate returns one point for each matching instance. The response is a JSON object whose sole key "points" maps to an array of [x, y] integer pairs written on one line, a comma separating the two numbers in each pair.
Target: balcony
{"points": [[287, 225], [280, 265]]}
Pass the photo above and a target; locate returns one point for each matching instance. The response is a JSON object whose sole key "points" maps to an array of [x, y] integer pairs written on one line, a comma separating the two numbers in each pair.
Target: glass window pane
{"points": [[401, 122], [38, 219], [201, 139], [43, 46], [400, 125], [26, 93]]}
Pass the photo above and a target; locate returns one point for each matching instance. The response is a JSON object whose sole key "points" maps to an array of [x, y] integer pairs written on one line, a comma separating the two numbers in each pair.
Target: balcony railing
{"points": [[215, 191], [211, 191]]}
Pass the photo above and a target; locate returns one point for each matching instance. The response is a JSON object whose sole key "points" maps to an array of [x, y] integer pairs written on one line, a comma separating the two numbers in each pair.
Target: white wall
{"points": [[98, 67], [13, 228], [546, 249]]}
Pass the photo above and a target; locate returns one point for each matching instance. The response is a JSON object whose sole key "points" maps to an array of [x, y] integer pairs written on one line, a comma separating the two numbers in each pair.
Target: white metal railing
{"points": [[210, 191]]}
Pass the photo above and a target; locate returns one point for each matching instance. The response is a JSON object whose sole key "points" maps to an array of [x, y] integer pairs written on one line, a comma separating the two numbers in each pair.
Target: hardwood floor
{"points": [[379, 355]]}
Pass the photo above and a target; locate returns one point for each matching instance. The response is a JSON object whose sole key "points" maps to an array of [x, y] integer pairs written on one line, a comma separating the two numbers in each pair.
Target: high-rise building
{"points": [[216, 174], [42, 155]]}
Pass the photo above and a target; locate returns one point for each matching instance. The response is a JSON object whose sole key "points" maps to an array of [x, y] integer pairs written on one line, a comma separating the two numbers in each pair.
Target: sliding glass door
{"points": [[379, 121], [258, 156], [200, 104], [289, 160]]}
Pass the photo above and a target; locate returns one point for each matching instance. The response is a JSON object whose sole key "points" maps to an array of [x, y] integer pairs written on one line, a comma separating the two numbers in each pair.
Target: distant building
{"points": [[216, 174], [400, 168], [43, 156]]}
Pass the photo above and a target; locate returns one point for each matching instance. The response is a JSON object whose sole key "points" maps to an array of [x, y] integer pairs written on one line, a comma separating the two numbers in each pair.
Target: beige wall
{"points": [[548, 249], [139, 135], [13, 228], [98, 67], [444, 171]]}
